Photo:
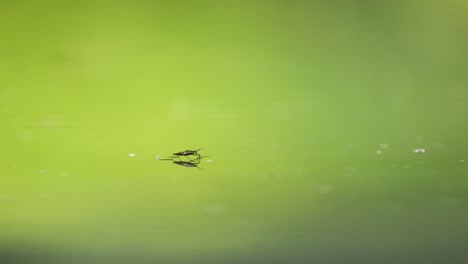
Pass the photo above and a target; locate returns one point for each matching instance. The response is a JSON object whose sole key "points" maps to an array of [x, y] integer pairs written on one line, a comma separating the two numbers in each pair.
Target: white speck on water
{"points": [[378, 152], [419, 150], [158, 157], [131, 154], [209, 160]]}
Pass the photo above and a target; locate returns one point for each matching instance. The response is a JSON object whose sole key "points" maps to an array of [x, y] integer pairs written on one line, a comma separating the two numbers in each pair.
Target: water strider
{"points": [[188, 161], [188, 153]]}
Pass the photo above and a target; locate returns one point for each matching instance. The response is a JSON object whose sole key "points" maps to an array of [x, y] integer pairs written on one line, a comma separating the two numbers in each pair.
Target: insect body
{"points": [[188, 153]]}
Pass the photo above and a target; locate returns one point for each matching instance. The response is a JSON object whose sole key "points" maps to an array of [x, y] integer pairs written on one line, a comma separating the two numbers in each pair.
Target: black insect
{"points": [[188, 153]]}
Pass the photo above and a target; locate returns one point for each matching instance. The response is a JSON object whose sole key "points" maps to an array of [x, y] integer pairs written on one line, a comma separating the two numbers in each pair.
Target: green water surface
{"points": [[309, 114]]}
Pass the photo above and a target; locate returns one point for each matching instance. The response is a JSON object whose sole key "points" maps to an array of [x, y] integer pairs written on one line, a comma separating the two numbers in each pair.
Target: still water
{"points": [[331, 132]]}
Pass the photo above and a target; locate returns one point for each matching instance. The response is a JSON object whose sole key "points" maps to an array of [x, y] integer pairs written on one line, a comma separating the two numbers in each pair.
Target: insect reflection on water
{"points": [[188, 164]]}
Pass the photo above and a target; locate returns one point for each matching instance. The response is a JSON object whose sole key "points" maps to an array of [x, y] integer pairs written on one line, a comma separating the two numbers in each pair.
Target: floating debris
{"points": [[131, 154], [158, 157], [419, 150]]}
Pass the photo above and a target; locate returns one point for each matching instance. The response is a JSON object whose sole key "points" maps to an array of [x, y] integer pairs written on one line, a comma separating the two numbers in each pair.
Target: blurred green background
{"points": [[309, 112]]}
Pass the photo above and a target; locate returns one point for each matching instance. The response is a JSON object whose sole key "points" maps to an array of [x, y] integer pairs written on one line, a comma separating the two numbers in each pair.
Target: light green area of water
{"points": [[309, 114]]}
